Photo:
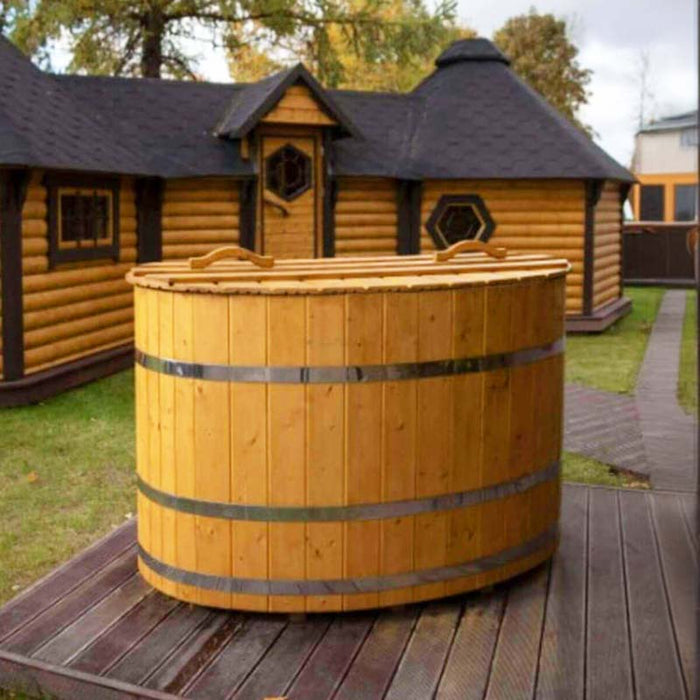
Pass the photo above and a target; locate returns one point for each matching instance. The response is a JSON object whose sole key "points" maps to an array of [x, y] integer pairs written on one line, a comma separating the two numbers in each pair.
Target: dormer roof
{"points": [[254, 101]]}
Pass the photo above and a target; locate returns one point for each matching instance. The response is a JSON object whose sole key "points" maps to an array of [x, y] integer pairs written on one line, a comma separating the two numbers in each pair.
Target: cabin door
{"points": [[289, 196]]}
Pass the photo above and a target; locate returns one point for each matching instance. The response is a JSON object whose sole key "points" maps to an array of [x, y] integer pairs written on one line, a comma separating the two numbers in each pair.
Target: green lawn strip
{"points": [[688, 372], [584, 470], [66, 477], [21, 695], [611, 360]]}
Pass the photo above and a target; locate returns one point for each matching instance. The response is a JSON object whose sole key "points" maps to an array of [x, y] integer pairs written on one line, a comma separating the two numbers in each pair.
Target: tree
{"points": [[395, 65], [150, 37], [542, 53]]}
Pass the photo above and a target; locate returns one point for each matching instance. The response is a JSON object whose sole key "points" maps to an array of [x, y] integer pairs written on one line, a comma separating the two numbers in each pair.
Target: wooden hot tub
{"points": [[347, 433]]}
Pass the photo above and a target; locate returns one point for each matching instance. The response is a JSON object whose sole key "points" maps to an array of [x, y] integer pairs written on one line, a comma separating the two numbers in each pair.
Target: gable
{"points": [[275, 98], [298, 106]]}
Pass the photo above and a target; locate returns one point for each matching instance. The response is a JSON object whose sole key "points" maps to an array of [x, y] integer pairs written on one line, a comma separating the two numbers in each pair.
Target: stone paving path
{"points": [[669, 432], [648, 433], [605, 426]]}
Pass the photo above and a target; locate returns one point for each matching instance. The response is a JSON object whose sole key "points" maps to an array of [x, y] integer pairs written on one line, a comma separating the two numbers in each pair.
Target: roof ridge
{"points": [[150, 81], [369, 93]]}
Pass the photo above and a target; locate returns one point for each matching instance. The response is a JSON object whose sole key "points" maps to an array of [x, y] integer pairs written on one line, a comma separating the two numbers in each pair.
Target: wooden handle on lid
{"points": [[231, 251], [473, 246]]}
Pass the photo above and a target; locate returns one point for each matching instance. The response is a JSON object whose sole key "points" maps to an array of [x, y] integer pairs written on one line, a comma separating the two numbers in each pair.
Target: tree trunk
{"points": [[153, 24]]}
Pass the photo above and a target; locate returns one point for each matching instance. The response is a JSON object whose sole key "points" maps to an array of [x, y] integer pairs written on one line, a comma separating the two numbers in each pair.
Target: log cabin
{"points": [[99, 173]]}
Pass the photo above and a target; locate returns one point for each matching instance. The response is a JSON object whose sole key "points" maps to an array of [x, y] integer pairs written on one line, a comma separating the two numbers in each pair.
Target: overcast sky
{"points": [[611, 35]]}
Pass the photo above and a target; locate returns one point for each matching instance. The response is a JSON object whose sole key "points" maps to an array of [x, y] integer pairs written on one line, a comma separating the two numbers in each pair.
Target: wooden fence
{"points": [[657, 253]]}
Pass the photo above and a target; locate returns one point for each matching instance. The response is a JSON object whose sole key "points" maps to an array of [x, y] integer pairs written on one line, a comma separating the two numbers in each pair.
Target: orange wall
{"points": [[668, 180]]}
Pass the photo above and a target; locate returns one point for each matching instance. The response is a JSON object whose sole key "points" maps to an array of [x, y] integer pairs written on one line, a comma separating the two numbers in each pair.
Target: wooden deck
{"points": [[612, 617]]}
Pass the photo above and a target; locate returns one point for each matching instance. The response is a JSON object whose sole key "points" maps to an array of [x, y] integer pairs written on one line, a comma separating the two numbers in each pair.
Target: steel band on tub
{"points": [[347, 375], [369, 511], [369, 584]]}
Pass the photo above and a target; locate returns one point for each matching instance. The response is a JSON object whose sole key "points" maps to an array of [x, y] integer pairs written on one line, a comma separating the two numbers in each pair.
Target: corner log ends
{"points": [[594, 188], [409, 195], [149, 215]]}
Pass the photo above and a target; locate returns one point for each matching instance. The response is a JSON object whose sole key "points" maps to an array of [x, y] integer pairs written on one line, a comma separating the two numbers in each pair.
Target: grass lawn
{"points": [[611, 360], [66, 477], [589, 471], [688, 373]]}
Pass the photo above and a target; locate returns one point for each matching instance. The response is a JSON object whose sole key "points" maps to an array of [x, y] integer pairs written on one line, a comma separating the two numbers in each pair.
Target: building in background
{"points": [[665, 162]]}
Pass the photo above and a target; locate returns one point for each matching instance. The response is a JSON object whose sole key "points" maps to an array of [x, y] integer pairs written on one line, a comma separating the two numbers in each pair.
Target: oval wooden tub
{"points": [[347, 433]]}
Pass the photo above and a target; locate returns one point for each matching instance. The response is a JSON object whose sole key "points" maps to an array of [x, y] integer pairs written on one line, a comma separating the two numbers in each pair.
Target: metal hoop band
{"points": [[368, 584], [347, 375], [369, 511]]}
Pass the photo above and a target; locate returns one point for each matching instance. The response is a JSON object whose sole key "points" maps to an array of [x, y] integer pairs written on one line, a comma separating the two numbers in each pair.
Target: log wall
{"points": [[366, 217], [199, 215], [607, 247], [76, 309], [531, 216]]}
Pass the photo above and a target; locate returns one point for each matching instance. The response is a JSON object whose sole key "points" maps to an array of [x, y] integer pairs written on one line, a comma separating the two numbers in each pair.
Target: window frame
{"points": [[660, 187], [61, 251], [308, 183], [448, 200], [694, 188], [689, 137]]}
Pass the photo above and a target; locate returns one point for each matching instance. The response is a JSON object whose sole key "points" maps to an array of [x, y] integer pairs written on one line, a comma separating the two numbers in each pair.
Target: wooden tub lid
{"points": [[234, 270]]}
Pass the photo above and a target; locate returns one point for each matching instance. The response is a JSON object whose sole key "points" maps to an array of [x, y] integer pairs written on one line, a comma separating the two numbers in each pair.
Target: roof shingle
{"points": [[472, 118]]}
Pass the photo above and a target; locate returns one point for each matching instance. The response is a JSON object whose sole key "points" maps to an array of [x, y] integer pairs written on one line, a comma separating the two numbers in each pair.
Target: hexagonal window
{"points": [[459, 217], [288, 172]]}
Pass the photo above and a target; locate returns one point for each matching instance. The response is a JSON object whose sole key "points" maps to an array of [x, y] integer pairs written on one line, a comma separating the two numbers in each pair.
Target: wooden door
{"points": [[289, 196]]}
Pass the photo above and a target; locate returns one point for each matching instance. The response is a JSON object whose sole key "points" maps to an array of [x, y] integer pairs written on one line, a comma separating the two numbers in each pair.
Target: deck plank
{"points": [[64, 646], [420, 669], [326, 668], [689, 503], [240, 656], [105, 652], [609, 658], [373, 667], [277, 671], [680, 570], [656, 666], [49, 590], [515, 660], [53, 619], [196, 652], [153, 650], [39, 679], [467, 668], [562, 655], [618, 594]]}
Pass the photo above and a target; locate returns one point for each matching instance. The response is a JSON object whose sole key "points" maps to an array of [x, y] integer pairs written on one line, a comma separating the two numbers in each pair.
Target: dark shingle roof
{"points": [[169, 122], [472, 118], [480, 120], [41, 124], [685, 120]]}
